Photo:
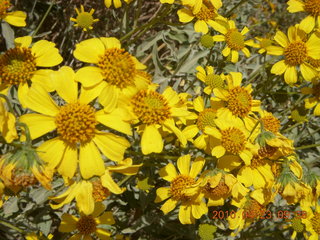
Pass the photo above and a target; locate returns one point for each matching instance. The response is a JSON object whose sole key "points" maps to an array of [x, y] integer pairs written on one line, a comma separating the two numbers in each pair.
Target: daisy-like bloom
{"points": [[204, 17], [297, 48], [312, 222], [191, 206], [87, 226], [7, 124], [84, 19], [263, 44], [233, 141], [234, 39], [314, 101], [211, 79], [115, 71], [297, 226], [237, 99], [116, 3], [204, 118], [78, 140], [155, 110], [198, 4], [309, 6], [19, 66], [16, 18]]}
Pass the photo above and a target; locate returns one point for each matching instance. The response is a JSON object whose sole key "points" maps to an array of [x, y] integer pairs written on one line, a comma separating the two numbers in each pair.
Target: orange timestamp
{"points": [[280, 214]]}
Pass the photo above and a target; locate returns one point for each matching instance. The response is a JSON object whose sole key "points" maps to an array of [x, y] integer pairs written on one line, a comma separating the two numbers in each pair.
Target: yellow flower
{"points": [[155, 110], [205, 118], [16, 18], [19, 66], [313, 101], [238, 99], [234, 39], [84, 19], [263, 44], [309, 6], [87, 225], [297, 48], [211, 79], [204, 13], [78, 140], [312, 222], [115, 71], [116, 3], [7, 124], [233, 141], [191, 205]]}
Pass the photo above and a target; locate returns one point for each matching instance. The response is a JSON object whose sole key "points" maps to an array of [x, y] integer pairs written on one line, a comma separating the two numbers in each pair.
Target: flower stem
{"points": [[9, 225], [308, 146], [43, 19], [8, 103]]}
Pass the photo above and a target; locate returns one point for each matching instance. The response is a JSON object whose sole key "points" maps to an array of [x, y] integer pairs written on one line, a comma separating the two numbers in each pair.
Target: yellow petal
{"points": [[89, 50], [40, 101], [69, 162], [51, 151], [162, 194], [308, 24], [168, 206], [23, 41], [196, 167], [281, 38], [308, 72], [46, 54], [114, 121], [65, 84], [90, 161], [89, 76], [279, 68], [168, 172], [68, 223], [201, 26], [184, 164], [109, 183], [185, 15], [274, 50], [111, 145], [17, 18], [185, 214], [290, 75], [38, 124], [84, 198], [151, 140], [110, 42], [218, 151], [109, 97]]}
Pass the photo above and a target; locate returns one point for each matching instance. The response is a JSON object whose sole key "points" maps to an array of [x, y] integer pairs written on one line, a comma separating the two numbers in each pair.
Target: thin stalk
{"points": [[308, 146], [9, 225], [8, 103], [43, 19]]}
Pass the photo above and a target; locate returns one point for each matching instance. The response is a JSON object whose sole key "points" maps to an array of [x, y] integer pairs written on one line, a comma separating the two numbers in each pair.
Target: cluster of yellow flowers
{"points": [[88, 114]]}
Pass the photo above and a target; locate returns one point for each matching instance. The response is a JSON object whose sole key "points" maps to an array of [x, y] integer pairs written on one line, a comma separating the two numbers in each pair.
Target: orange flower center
{"points": [[86, 225], [4, 5], [233, 140], [234, 39], [315, 221], [312, 7], [214, 81], [220, 191], [254, 208], [117, 67], [206, 13], [178, 185], [99, 192], [257, 161], [76, 123], [150, 107], [239, 101], [267, 151], [313, 62], [17, 65], [295, 53], [206, 118], [271, 124]]}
